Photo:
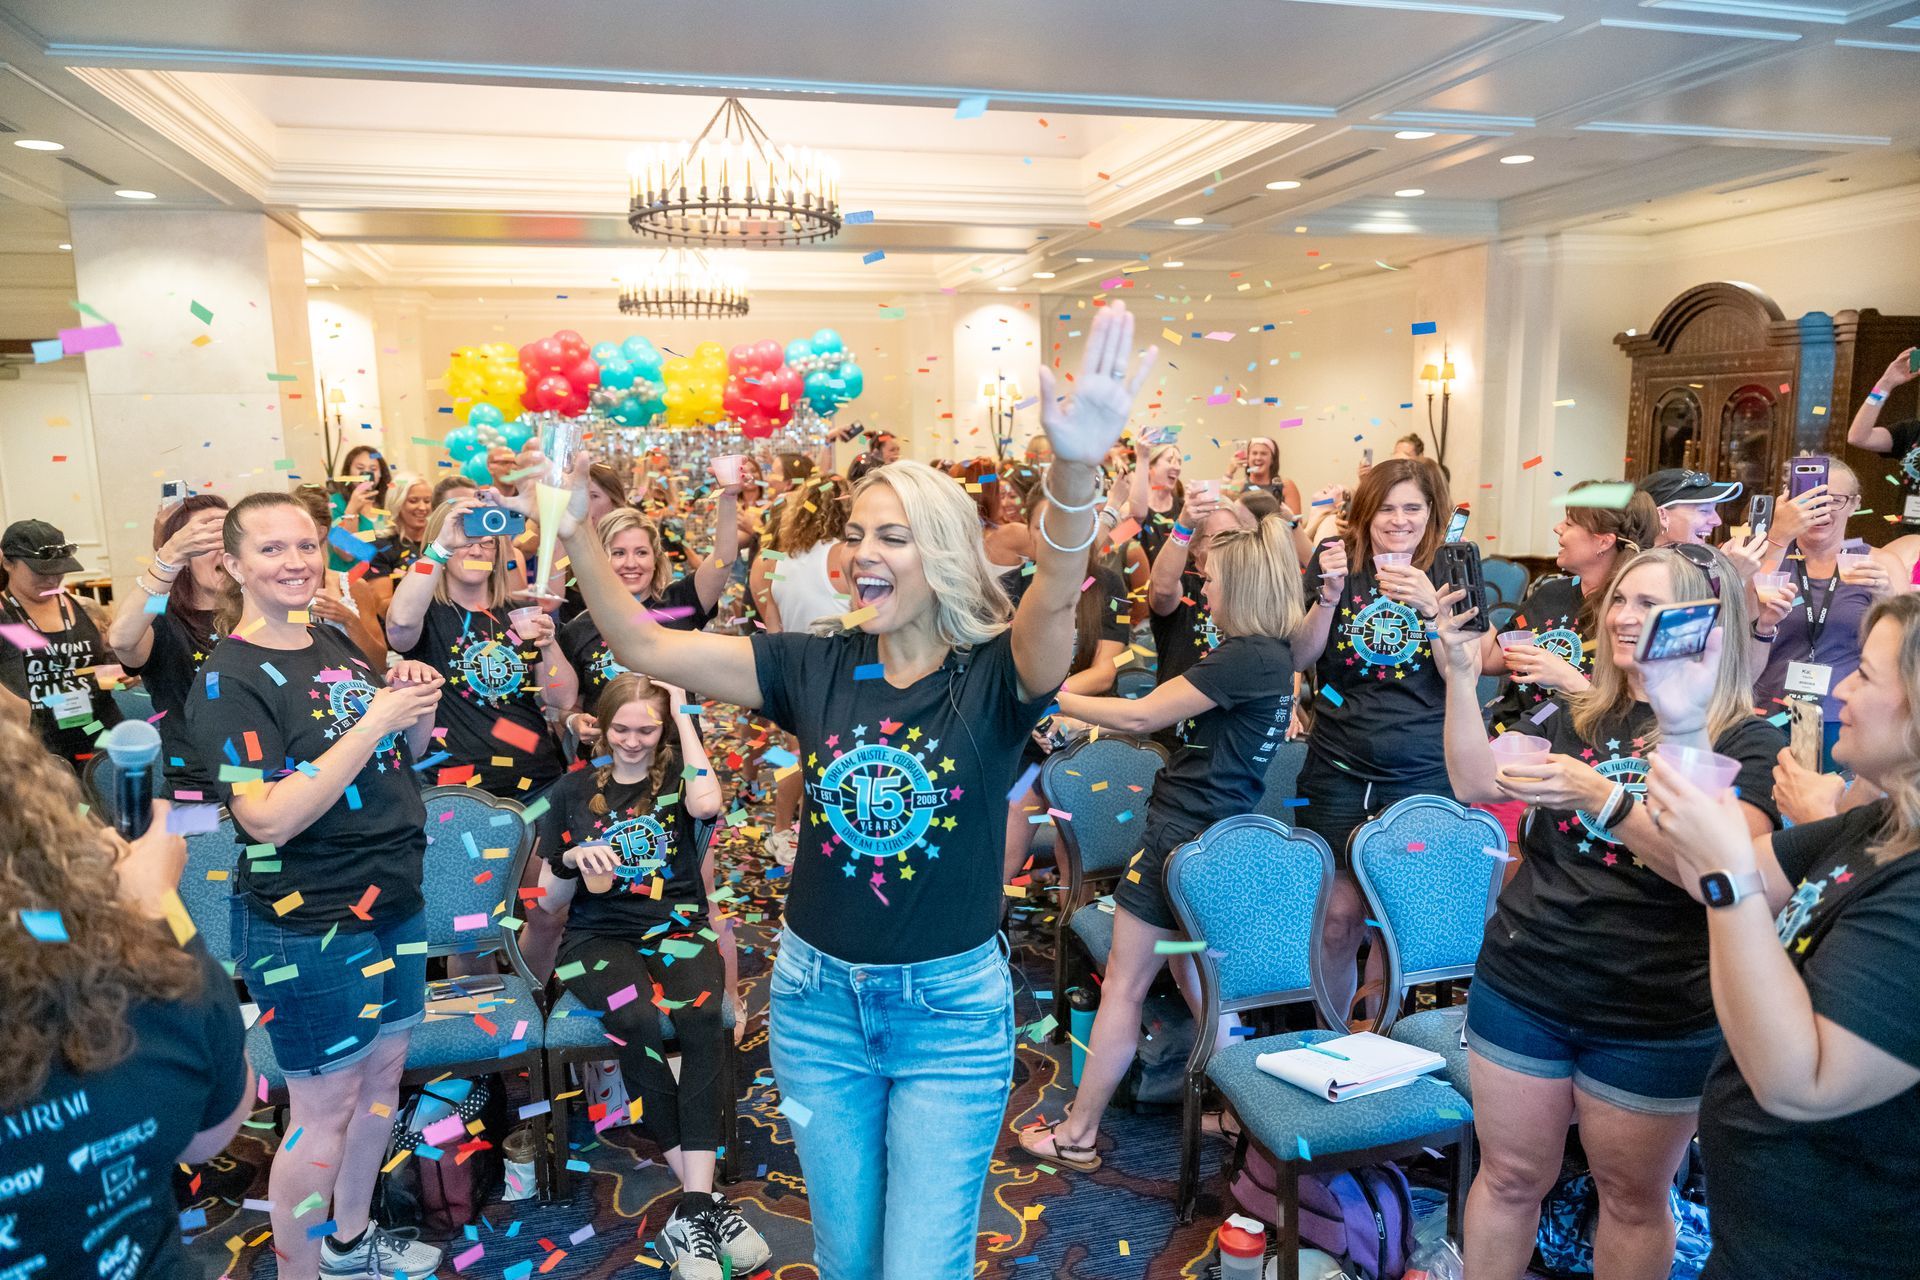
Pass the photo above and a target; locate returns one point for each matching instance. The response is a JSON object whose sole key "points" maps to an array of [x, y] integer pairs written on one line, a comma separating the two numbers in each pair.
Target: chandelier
{"points": [[733, 187], [684, 284]]}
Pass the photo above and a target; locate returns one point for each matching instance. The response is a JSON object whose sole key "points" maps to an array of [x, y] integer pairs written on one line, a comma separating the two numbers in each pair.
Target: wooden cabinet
{"points": [[1725, 383]]}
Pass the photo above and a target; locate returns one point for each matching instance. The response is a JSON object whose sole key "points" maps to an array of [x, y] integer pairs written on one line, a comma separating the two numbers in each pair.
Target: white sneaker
{"points": [[745, 1248], [783, 845], [691, 1242], [381, 1253]]}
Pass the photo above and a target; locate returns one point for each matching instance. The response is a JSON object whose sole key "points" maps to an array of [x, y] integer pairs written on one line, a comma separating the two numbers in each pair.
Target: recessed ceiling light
{"points": [[1083, 259], [1006, 288], [1173, 264], [313, 279], [1285, 184], [1407, 193], [66, 248], [38, 144], [128, 193], [1188, 221], [1413, 135], [1516, 159], [1043, 275]]}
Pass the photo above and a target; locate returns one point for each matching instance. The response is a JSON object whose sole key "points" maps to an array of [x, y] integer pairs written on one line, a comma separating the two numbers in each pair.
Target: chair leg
{"points": [[537, 1090], [1061, 1012], [1289, 1199], [1189, 1190], [557, 1150], [729, 1111], [1466, 1152]]}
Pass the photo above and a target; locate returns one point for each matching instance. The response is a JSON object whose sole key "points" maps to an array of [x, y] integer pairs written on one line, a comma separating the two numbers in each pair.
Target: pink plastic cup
{"points": [[1508, 639], [1388, 559], [1517, 750], [726, 468], [1210, 490], [1705, 770], [519, 618]]}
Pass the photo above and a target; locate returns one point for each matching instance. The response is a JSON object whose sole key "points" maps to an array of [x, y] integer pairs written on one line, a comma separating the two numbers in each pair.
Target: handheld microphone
{"points": [[133, 746]]}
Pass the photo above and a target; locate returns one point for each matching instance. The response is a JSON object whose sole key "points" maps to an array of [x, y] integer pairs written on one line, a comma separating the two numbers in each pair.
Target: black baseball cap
{"points": [[1675, 487], [40, 546]]}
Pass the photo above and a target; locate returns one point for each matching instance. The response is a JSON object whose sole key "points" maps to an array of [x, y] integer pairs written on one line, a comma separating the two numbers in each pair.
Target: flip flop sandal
{"points": [[1086, 1162]]}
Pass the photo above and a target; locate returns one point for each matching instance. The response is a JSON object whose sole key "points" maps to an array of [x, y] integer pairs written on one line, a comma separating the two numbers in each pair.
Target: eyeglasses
{"points": [[1704, 560], [50, 551]]}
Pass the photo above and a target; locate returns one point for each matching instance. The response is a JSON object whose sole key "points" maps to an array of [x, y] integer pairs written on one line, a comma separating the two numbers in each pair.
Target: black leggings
{"points": [[684, 1114]]}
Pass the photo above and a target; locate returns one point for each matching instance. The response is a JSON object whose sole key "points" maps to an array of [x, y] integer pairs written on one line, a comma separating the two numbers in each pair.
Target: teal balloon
{"points": [[630, 412], [853, 380], [651, 410], [639, 348], [799, 349], [516, 434], [616, 374], [605, 351], [464, 442], [649, 364], [476, 469], [484, 415], [828, 343], [821, 391]]}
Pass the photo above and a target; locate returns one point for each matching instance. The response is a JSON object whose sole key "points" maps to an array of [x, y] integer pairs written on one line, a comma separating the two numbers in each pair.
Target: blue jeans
{"points": [[895, 1079]]}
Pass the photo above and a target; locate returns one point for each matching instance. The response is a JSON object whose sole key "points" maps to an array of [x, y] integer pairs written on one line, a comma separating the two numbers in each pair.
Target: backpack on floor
{"points": [[1362, 1217], [1564, 1247], [1159, 1069], [439, 1196]]}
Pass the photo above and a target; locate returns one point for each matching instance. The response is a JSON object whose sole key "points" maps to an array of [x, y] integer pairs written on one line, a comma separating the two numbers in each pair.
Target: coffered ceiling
{"points": [[455, 146]]}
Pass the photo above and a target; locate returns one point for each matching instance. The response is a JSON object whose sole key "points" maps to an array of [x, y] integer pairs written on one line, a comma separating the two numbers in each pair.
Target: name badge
{"points": [[1911, 511], [70, 704], [1809, 678]]}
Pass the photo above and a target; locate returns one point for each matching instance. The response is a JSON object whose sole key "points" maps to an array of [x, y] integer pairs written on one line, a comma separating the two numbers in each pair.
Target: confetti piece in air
{"points": [[99, 337], [44, 926], [796, 1111], [200, 313], [870, 671], [873, 257], [47, 350], [1178, 946], [1420, 327], [1613, 496], [970, 108], [21, 637], [856, 219], [1531, 463], [517, 736]]}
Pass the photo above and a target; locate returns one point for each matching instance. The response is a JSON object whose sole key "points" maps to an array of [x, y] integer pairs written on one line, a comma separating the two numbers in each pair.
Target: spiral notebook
{"points": [[1350, 1066]]}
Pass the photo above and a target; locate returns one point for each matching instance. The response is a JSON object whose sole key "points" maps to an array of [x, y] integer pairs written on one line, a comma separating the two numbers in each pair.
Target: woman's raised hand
{"points": [[1108, 385], [1457, 647]]}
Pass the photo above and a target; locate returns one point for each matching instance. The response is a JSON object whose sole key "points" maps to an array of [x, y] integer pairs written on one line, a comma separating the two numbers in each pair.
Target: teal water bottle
{"points": [[1082, 1004]]}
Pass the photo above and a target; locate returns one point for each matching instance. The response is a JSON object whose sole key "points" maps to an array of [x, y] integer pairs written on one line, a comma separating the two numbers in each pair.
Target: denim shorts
{"points": [[321, 1009], [1661, 1077]]}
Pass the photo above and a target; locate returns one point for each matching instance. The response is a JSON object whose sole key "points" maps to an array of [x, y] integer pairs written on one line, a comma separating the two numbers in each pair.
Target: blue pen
{"points": [[1327, 1053]]}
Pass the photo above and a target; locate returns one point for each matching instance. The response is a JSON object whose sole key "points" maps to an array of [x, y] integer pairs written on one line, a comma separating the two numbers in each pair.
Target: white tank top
{"points": [[802, 591]]}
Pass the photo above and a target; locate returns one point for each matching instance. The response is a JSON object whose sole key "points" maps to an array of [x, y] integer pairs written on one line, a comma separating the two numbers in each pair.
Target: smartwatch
{"points": [[1724, 889]]}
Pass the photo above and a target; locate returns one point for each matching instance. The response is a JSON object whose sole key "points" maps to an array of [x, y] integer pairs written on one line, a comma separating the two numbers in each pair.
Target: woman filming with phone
{"points": [[1591, 1004]]}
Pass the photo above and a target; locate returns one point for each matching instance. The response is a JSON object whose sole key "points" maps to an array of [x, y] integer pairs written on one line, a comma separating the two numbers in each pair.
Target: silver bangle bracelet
{"points": [[1046, 489], [1092, 533]]}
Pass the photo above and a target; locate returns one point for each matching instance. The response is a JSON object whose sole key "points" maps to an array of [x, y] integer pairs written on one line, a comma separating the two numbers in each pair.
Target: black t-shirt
{"points": [[393, 556], [1906, 451], [906, 793], [1187, 634], [86, 1169], [1157, 528], [276, 710], [1837, 1197], [1552, 612], [181, 646], [1586, 933], [1220, 766], [1382, 699], [587, 653], [1116, 609], [491, 705], [652, 834], [69, 707]]}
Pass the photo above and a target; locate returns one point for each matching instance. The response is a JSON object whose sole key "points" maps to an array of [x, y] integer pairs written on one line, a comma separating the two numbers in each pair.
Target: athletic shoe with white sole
{"points": [[783, 845], [380, 1254], [691, 1242], [745, 1248]]}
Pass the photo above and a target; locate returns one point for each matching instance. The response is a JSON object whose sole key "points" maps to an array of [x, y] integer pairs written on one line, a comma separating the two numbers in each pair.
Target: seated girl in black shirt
{"points": [[624, 830], [1231, 708]]}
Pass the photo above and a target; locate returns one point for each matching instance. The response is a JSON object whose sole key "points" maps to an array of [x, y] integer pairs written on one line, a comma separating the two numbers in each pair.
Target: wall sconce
{"points": [[1439, 379], [999, 395]]}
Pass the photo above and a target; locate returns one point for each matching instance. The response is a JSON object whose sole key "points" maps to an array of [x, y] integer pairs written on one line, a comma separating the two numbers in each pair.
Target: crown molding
{"points": [[1172, 162], [1770, 228], [208, 121]]}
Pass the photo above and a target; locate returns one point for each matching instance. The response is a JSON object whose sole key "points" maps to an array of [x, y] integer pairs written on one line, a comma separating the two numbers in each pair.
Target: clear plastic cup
{"points": [[519, 618], [1517, 750], [1705, 770], [596, 883], [1776, 582], [1209, 489], [726, 468], [1851, 562], [1508, 639], [1388, 559]]}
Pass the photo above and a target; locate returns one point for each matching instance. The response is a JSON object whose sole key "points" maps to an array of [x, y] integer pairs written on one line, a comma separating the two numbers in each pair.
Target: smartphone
{"points": [[493, 522], [1366, 455], [1457, 524], [1913, 360], [1457, 566], [1806, 734], [1760, 514], [1677, 630], [173, 491], [1804, 474]]}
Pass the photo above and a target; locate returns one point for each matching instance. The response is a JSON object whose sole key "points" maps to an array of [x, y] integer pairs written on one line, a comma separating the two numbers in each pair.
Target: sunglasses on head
{"points": [[49, 551], [1702, 559]]}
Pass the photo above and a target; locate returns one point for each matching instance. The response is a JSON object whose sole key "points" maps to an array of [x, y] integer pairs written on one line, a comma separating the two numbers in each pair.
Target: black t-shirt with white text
{"points": [[490, 707], [269, 712], [906, 816], [86, 1168], [70, 708], [181, 645], [1382, 699], [677, 609], [1588, 934], [1551, 611], [1220, 766], [1836, 1197], [653, 835]]}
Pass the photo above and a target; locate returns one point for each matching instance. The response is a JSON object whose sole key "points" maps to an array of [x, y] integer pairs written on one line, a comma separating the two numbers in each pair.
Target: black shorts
{"points": [[1142, 889]]}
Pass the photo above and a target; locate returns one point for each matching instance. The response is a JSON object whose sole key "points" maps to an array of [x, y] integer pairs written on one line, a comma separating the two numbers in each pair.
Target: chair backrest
{"points": [[1254, 890], [1430, 871], [214, 853], [1506, 579], [471, 833], [1104, 783], [1283, 777], [134, 704], [1500, 617], [1134, 682]]}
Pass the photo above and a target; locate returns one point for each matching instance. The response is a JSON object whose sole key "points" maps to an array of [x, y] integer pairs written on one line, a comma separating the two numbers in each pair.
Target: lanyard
{"points": [[66, 618], [1815, 623]]}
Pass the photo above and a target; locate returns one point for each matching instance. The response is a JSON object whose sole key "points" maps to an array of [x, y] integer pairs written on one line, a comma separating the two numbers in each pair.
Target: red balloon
{"points": [[583, 376], [551, 392], [740, 360], [756, 425], [768, 354], [571, 341], [528, 400], [763, 392], [550, 357], [736, 399]]}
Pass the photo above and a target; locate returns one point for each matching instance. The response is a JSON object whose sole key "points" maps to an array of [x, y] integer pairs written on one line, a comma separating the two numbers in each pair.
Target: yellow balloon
{"points": [[708, 352]]}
